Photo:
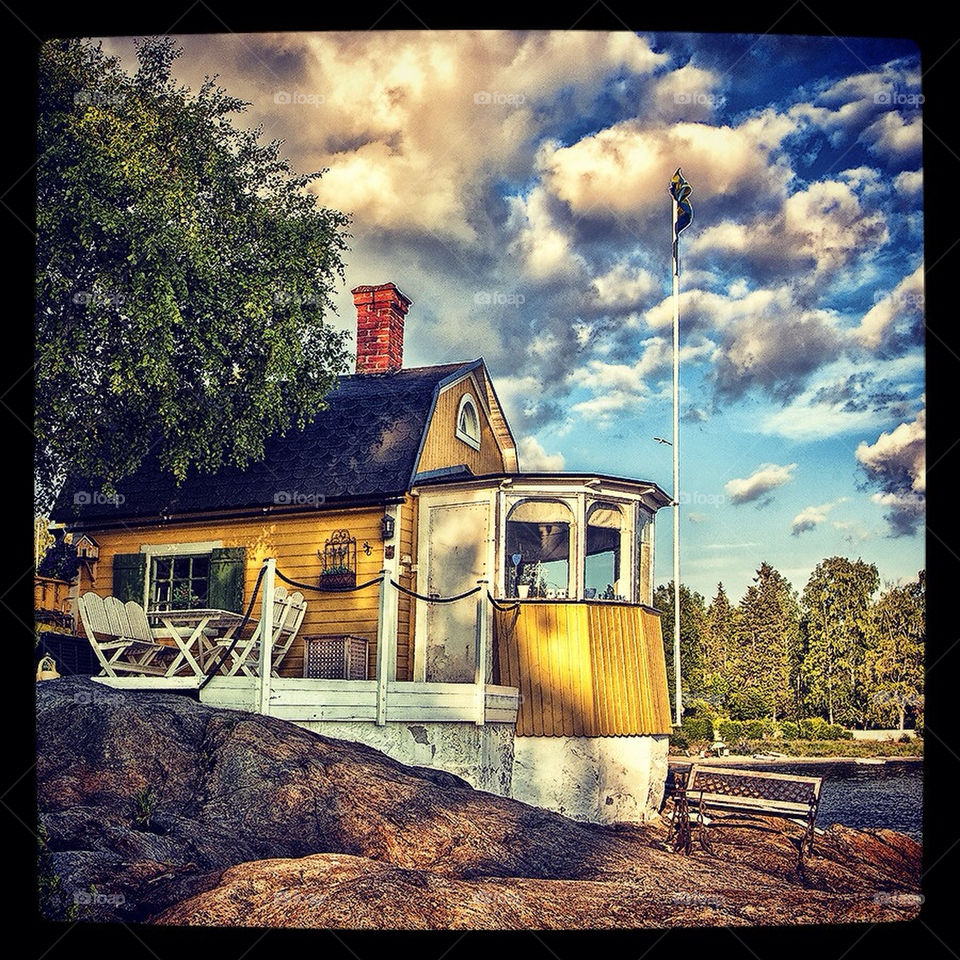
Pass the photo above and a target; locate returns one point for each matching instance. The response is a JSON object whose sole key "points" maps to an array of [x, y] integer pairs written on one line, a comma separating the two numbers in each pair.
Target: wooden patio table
{"points": [[198, 628]]}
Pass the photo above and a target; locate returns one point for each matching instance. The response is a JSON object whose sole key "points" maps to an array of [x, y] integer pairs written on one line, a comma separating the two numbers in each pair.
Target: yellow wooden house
{"points": [[547, 684]]}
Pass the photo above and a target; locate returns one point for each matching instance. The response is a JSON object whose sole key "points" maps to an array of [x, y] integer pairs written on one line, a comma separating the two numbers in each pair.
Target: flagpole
{"points": [[675, 245]]}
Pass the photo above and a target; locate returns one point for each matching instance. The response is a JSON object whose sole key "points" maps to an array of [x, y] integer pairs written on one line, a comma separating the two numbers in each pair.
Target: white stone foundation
{"points": [[597, 779], [481, 755]]}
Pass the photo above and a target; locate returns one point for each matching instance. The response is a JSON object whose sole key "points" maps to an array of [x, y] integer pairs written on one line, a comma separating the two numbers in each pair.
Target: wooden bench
{"points": [[739, 793]]}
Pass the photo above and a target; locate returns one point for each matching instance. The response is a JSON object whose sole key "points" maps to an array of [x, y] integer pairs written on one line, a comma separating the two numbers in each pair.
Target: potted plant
{"points": [[529, 582], [339, 577]]}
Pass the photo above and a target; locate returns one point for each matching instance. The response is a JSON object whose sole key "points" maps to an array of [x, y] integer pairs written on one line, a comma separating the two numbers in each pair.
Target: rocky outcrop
{"points": [[155, 807]]}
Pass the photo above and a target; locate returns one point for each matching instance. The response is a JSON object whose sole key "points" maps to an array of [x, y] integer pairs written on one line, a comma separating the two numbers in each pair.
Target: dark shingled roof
{"points": [[363, 446]]}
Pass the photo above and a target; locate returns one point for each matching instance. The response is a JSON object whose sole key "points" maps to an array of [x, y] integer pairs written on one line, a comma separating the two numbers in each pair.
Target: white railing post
{"points": [[483, 655], [383, 649], [266, 634]]}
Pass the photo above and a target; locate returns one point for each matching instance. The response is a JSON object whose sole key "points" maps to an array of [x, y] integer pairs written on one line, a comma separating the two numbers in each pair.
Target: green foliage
{"points": [[789, 730], [183, 275], [731, 730], [145, 802], [770, 659], [697, 728], [837, 633], [679, 739], [753, 729], [692, 618], [700, 707]]}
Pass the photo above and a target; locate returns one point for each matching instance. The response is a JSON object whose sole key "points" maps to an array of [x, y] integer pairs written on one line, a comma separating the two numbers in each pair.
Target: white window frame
{"points": [[172, 550], [467, 400]]}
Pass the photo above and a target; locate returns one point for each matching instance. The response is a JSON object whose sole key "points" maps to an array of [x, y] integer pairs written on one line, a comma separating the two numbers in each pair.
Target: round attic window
{"points": [[468, 422]]}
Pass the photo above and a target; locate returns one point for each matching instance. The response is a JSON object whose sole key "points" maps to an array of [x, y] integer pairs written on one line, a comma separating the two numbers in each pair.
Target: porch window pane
{"points": [[602, 567], [179, 582], [539, 533]]}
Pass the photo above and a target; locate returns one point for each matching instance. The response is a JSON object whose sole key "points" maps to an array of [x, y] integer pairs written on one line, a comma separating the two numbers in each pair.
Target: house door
{"points": [[457, 541]]}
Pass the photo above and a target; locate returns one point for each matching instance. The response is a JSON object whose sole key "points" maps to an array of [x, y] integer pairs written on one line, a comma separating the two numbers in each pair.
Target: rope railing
{"points": [[433, 599], [502, 606], [236, 634]]}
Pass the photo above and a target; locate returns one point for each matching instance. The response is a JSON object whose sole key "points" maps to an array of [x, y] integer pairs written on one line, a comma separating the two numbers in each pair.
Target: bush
{"points": [[731, 730], [813, 728], [833, 731], [753, 729], [700, 708], [698, 728], [678, 739], [789, 730]]}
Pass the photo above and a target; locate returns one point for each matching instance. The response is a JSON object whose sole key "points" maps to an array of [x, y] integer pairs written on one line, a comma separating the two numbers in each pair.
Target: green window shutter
{"points": [[228, 568], [129, 576]]}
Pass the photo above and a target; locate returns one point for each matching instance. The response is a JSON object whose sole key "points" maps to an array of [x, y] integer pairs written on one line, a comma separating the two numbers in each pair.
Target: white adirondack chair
{"points": [[288, 613], [120, 636]]}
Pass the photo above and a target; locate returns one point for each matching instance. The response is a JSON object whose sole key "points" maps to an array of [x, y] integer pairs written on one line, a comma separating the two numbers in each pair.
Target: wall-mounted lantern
{"points": [[387, 527]]}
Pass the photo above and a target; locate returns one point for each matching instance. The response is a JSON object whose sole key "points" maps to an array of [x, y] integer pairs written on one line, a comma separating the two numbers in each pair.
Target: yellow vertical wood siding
{"points": [[443, 448], [584, 670], [406, 546]]}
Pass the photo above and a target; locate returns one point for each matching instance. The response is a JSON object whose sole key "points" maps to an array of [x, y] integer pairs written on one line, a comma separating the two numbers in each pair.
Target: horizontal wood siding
{"points": [[442, 447], [294, 541], [584, 669]]}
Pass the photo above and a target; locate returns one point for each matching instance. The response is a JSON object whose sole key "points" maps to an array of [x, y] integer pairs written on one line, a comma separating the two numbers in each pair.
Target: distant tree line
{"points": [[841, 650]]}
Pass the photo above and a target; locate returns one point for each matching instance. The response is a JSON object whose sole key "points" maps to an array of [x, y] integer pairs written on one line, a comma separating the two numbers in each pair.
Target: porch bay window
{"points": [[539, 544], [603, 567]]}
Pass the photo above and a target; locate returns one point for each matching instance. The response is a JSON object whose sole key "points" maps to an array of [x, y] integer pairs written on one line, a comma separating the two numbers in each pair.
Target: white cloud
{"points": [[766, 477], [821, 228], [623, 169], [906, 298], [811, 517], [534, 458], [544, 247], [894, 136], [624, 287], [896, 462], [900, 455], [909, 183]]}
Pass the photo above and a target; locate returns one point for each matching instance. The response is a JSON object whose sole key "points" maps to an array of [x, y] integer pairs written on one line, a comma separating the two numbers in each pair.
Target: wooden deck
{"points": [[298, 699]]}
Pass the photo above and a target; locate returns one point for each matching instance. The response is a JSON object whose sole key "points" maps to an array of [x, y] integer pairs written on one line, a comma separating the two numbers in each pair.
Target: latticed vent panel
{"points": [[335, 658], [758, 788]]}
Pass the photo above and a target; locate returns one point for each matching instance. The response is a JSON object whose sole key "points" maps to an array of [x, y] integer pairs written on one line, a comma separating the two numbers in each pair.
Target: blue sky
{"points": [[514, 185]]}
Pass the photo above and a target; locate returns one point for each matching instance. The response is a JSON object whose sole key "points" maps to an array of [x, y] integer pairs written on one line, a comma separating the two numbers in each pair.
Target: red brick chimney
{"points": [[380, 313]]}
